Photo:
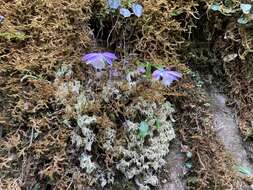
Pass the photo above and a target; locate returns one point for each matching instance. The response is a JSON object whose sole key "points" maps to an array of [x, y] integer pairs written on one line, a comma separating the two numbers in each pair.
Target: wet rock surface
{"points": [[175, 169], [226, 129]]}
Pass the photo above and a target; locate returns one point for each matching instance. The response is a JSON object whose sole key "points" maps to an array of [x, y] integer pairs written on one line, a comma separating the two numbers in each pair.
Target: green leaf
{"points": [[143, 129], [243, 20], [149, 70], [188, 165], [215, 7], [243, 170], [36, 187], [176, 12], [188, 154], [246, 8], [157, 123]]}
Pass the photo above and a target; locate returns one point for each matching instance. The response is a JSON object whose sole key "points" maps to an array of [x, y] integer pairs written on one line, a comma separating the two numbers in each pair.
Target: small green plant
{"points": [[158, 123], [231, 8], [244, 170], [143, 129]]}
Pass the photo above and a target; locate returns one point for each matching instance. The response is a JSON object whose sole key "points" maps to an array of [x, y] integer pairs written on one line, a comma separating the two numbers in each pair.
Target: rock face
{"points": [[227, 131], [175, 169]]}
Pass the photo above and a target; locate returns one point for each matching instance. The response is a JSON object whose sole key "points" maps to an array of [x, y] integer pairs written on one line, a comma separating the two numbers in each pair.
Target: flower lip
{"points": [[167, 76]]}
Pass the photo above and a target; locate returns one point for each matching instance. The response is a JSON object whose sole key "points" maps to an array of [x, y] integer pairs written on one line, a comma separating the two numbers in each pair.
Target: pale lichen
{"points": [[110, 92], [76, 140], [138, 157], [81, 102], [109, 139], [64, 70], [86, 163]]}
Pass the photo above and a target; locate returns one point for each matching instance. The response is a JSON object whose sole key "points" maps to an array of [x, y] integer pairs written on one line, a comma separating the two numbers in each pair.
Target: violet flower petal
{"points": [[174, 73], [167, 76], [108, 61], [89, 56], [168, 79], [109, 57], [93, 59], [170, 76], [157, 74], [99, 60], [167, 82]]}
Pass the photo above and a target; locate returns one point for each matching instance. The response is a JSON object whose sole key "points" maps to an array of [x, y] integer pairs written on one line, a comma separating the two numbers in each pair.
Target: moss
{"points": [[43, 106]]}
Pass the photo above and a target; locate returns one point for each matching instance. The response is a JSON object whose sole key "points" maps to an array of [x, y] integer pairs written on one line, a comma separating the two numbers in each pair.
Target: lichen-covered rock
{"points": [[139, 158], [108, 141]]}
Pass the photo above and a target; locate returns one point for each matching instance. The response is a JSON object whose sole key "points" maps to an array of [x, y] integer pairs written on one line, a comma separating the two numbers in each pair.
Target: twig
{"points": [[109, 35], [31, 139]]}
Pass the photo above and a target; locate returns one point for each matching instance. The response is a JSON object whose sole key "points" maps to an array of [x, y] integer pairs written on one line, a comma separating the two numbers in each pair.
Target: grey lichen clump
{"points": [[137, 157], [140, 158]]}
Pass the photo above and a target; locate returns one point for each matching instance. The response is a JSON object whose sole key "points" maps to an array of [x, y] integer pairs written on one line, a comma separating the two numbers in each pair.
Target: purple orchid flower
{"points": [[99, 60], [166, 76]]}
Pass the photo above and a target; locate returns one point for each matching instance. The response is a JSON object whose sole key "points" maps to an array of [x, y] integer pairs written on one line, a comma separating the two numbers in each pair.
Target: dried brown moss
{"points": [[37, 37], [161, 30], [158, 35]]}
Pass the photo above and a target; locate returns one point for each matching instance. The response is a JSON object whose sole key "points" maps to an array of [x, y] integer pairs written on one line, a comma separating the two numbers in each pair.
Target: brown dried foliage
{"points": [[158, 35], [39, 36], [160, 31]]}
